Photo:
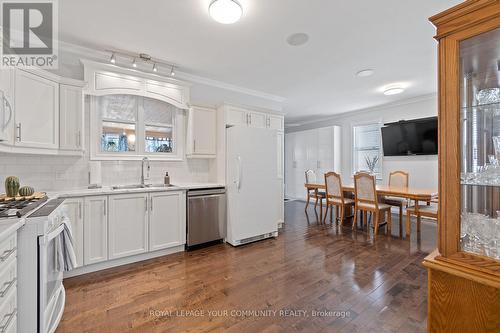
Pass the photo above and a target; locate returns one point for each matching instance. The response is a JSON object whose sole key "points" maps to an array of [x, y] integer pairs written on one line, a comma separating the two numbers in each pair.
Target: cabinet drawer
{"points": [[8, 249], [8, 312], [8, 278]]}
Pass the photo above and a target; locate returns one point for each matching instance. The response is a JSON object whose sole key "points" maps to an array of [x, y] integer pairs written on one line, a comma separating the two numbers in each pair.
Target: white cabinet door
{"points": [[167, 220], [95, 230], [128, 225], [74, 209], [236, 116], [325, 150], [257, 119], [70, 117], [202, 132], [289, 165], [275, 122], [37, 111], [7, 106]]}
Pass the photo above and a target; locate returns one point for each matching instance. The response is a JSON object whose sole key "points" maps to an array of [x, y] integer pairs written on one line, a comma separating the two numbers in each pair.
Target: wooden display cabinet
{"points": [[464, 272]]}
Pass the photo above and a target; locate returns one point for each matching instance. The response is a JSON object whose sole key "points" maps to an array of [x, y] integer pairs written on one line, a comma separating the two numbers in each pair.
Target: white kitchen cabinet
{"points": [[128, 225], [257, 119], [167, 220], [7, 106], [36, 111], [74, 209], [236, 116], [202, 132], [317, 150], [275, 122], [95, 230], [70, 117]]}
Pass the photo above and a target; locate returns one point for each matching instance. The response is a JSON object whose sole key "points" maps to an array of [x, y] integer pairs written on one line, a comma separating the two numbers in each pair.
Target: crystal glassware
{"points": [[488, 96]]}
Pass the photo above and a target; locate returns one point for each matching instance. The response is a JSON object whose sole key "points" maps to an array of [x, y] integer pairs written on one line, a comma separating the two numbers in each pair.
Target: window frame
{"points": [[378, 175], [178, 120]]}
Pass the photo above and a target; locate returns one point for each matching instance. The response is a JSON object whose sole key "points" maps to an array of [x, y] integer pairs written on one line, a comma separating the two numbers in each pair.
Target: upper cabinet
{"points": [[202, 133], [107, 79], [239, 116], [36, 111], [6, 106], [70, 117], [40, 112]]}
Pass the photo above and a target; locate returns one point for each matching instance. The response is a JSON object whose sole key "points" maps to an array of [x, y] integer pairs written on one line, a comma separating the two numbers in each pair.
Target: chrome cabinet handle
{"points": [[7, 285], [11, 316], [7, 104], [19, 132], [146, 204], [6, 254], [151, 204]]}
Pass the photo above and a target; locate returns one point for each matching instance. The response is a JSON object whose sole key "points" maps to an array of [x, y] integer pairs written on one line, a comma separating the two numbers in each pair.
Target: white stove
{"points": [[41, 292]]}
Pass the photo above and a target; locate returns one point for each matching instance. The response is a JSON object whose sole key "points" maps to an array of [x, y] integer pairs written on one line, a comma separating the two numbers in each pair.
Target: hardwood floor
{"points": [[357, 285]]}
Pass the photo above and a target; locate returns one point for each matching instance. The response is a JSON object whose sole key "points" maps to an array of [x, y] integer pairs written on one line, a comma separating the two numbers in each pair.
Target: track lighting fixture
{"points": [[136, 58]]}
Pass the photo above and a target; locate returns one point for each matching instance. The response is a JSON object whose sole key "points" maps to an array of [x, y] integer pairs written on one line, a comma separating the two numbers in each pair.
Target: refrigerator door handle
{"points": [[238, 180]]}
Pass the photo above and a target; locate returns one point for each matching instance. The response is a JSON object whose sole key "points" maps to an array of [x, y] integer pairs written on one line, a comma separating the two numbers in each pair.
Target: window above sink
{"points": [[130, 127]]}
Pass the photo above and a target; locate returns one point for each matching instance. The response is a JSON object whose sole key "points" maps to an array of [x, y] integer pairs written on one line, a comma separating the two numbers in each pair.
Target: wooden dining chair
{"points": [[428, 211], [319, 196], [335, 197], [398, 179], [366, 200]]}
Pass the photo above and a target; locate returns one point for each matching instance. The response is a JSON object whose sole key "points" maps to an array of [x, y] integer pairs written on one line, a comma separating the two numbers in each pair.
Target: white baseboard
{"points": [[122, 261]]}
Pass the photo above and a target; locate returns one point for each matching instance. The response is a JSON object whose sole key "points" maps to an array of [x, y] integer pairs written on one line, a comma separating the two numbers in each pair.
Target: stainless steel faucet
{"points": [[145, 163]]}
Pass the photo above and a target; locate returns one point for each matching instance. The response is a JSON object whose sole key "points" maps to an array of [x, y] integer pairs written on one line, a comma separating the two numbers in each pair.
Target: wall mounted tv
{"points": [[411, 137]]}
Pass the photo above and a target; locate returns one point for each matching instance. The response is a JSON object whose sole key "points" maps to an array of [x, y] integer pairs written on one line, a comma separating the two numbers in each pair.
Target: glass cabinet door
{"points": [[480, 144]]}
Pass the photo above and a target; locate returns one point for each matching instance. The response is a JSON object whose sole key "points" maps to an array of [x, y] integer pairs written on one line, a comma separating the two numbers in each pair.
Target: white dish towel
{"points": [[65, 251]]}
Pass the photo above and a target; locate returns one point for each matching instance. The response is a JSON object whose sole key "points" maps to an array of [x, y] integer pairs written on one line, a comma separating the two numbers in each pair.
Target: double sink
{"points": [[136, 186]]}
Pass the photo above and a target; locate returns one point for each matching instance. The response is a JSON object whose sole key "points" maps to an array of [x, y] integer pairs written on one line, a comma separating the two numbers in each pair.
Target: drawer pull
{"points": [[11, 316], [6, 254], [7, 285]]}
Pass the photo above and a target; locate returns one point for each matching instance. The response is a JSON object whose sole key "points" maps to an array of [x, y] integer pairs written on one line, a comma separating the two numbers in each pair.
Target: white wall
{"points": [[423, 169]]}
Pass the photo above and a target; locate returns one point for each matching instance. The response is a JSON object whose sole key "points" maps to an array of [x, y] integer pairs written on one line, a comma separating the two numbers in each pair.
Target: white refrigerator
{"points": [[253, 195]]}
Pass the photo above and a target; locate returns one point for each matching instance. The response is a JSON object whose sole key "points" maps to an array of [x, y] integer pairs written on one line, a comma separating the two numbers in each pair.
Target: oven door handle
{"points": [[44, 240]]}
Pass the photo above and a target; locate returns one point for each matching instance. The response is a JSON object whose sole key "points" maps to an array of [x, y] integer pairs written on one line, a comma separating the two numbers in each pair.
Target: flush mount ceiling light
{"points": [[297, 39], [365, 73], [225, 11], [393, 91]]}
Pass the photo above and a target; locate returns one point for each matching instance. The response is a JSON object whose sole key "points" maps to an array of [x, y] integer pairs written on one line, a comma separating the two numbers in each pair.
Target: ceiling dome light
{"points": [[393, 91], [225, 11], [365, 73]]}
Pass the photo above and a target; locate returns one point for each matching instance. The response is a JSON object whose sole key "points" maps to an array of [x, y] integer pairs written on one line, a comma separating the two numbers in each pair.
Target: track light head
{"points": [[113, 58]]}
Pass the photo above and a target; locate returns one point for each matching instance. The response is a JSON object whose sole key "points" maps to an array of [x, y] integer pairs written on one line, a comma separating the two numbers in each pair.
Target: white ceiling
{"points": [[393, 37]]}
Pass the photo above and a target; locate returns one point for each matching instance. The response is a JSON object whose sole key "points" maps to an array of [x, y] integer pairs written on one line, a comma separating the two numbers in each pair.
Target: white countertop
{"points": [[9, 226], [107, 190]]}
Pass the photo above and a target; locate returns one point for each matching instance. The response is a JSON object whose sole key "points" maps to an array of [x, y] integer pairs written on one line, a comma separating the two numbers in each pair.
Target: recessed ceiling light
{"points": [[297, 39], [225, 11], [393, 91], [365, 73]]}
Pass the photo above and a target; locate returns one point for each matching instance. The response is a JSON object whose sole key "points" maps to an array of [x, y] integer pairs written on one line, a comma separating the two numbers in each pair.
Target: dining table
{"points": [[411, 193]]}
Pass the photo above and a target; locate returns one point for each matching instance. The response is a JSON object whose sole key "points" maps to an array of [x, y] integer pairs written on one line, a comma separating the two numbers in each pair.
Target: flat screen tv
{"points": [[411, 137]]}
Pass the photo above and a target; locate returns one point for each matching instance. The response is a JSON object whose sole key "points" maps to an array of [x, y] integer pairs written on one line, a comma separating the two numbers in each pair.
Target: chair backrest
{"points": [[364, 188], [333, 184], [399, 179], [310, 177]]}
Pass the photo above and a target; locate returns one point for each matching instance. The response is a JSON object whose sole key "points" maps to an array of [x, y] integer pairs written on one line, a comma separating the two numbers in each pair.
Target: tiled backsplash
{"points": [[48, 173]]}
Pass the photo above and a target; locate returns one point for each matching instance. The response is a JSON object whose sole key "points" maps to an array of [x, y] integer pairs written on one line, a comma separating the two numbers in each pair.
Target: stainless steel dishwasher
{"points": [[206, 216]]}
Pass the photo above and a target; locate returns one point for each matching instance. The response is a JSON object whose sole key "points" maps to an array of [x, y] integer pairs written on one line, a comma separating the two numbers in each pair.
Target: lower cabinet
{"points": [[74, 209], [95, 230], [167, 220], [128, 225], [115, 226]]}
